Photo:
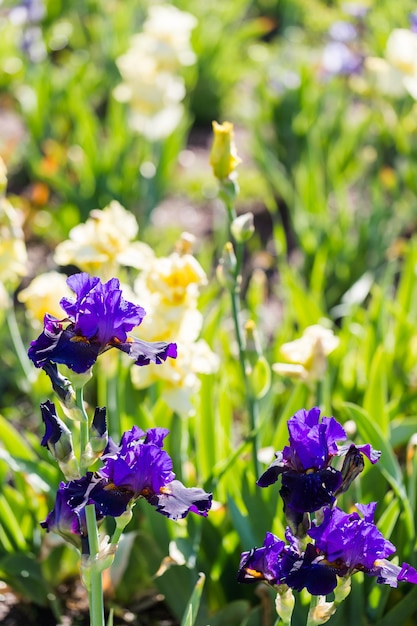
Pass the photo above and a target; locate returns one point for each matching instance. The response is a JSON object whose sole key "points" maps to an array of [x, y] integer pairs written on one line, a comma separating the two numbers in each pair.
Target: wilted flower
{"points": [[307, 355], [344, 544], [104, 243], [149, 69], [43, 295], [137, 468], [97, 320]]}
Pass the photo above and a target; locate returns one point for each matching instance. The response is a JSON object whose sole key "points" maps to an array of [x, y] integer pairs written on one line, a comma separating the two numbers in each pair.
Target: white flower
{"points": [[171, 28], [104, 243], [397, 73], [180, 375], [151, 84], [307, 355]]}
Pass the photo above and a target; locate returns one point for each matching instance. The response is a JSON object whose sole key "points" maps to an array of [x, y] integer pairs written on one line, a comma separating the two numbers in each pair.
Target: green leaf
{"points": [[388, 463], [11, 525], [190, 614], [371, 433], [24, 573], [401, 611], [376, 392], [14, 442]]}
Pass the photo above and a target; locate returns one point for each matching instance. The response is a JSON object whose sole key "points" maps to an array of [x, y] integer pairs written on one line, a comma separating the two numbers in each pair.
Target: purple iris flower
{"points": [[343, 31], [340, 60], [278, 563], [97, 319], [353, 543], [139, 467], [413, 21], [68, 515], [142, 468], [308, 482], [344, 544]]}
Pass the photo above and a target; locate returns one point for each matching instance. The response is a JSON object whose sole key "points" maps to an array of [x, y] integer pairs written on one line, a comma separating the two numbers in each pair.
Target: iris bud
{"points": [[223, 155], [243, 227], [58, 440], [226, 269], [284, 603]]}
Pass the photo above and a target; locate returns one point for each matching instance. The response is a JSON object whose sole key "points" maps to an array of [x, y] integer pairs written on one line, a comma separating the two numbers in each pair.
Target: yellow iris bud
{"points": [[223, 155]]}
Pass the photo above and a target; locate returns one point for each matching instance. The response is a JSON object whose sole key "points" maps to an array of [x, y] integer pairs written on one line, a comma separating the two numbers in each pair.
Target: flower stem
{"points": [[84, 426], [95, 591], [251, 401]]}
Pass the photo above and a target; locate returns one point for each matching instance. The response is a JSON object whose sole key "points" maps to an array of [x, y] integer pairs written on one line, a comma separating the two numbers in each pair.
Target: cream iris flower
{"points": [[43, 296], [168, 290], [104, 243], [151, 83], [397, 73], [306, 356]]}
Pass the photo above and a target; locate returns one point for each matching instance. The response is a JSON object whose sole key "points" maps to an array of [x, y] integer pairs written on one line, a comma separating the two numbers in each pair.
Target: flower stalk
{"points": [[95, 587], [224, 160]]}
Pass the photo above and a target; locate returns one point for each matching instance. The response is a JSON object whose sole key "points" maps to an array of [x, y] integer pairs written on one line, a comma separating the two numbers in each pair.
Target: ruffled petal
{"points": [[145, 352], [176, 501], [306, 493]]}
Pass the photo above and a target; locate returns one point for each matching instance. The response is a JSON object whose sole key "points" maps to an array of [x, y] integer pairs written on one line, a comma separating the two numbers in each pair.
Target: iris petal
{"points": [[176, 501]]}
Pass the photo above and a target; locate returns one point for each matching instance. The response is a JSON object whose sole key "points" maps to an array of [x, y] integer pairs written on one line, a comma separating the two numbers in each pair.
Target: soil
{"points": [[149, 611]]}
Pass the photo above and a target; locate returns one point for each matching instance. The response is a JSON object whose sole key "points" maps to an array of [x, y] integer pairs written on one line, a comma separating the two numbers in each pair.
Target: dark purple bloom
{"points": [[308, 481], [98, 319], [265, 563], [68, 515], [142, 468], [353, 543], [139, 467], [343, 544], [278, 564]]}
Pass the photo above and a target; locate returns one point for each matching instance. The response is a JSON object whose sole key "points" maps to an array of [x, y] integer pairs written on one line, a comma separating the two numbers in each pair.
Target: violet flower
{"points": [[98, 319], [344, 544], [68, 515], [353, 543], [142, 468], [308, 481], [138, 468]]}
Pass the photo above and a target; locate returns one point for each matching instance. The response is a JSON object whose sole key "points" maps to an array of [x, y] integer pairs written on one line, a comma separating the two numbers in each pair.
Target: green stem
{"points": [[84, 426], [18, 345], [113, 415], [251, 402], [96, 586]]}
